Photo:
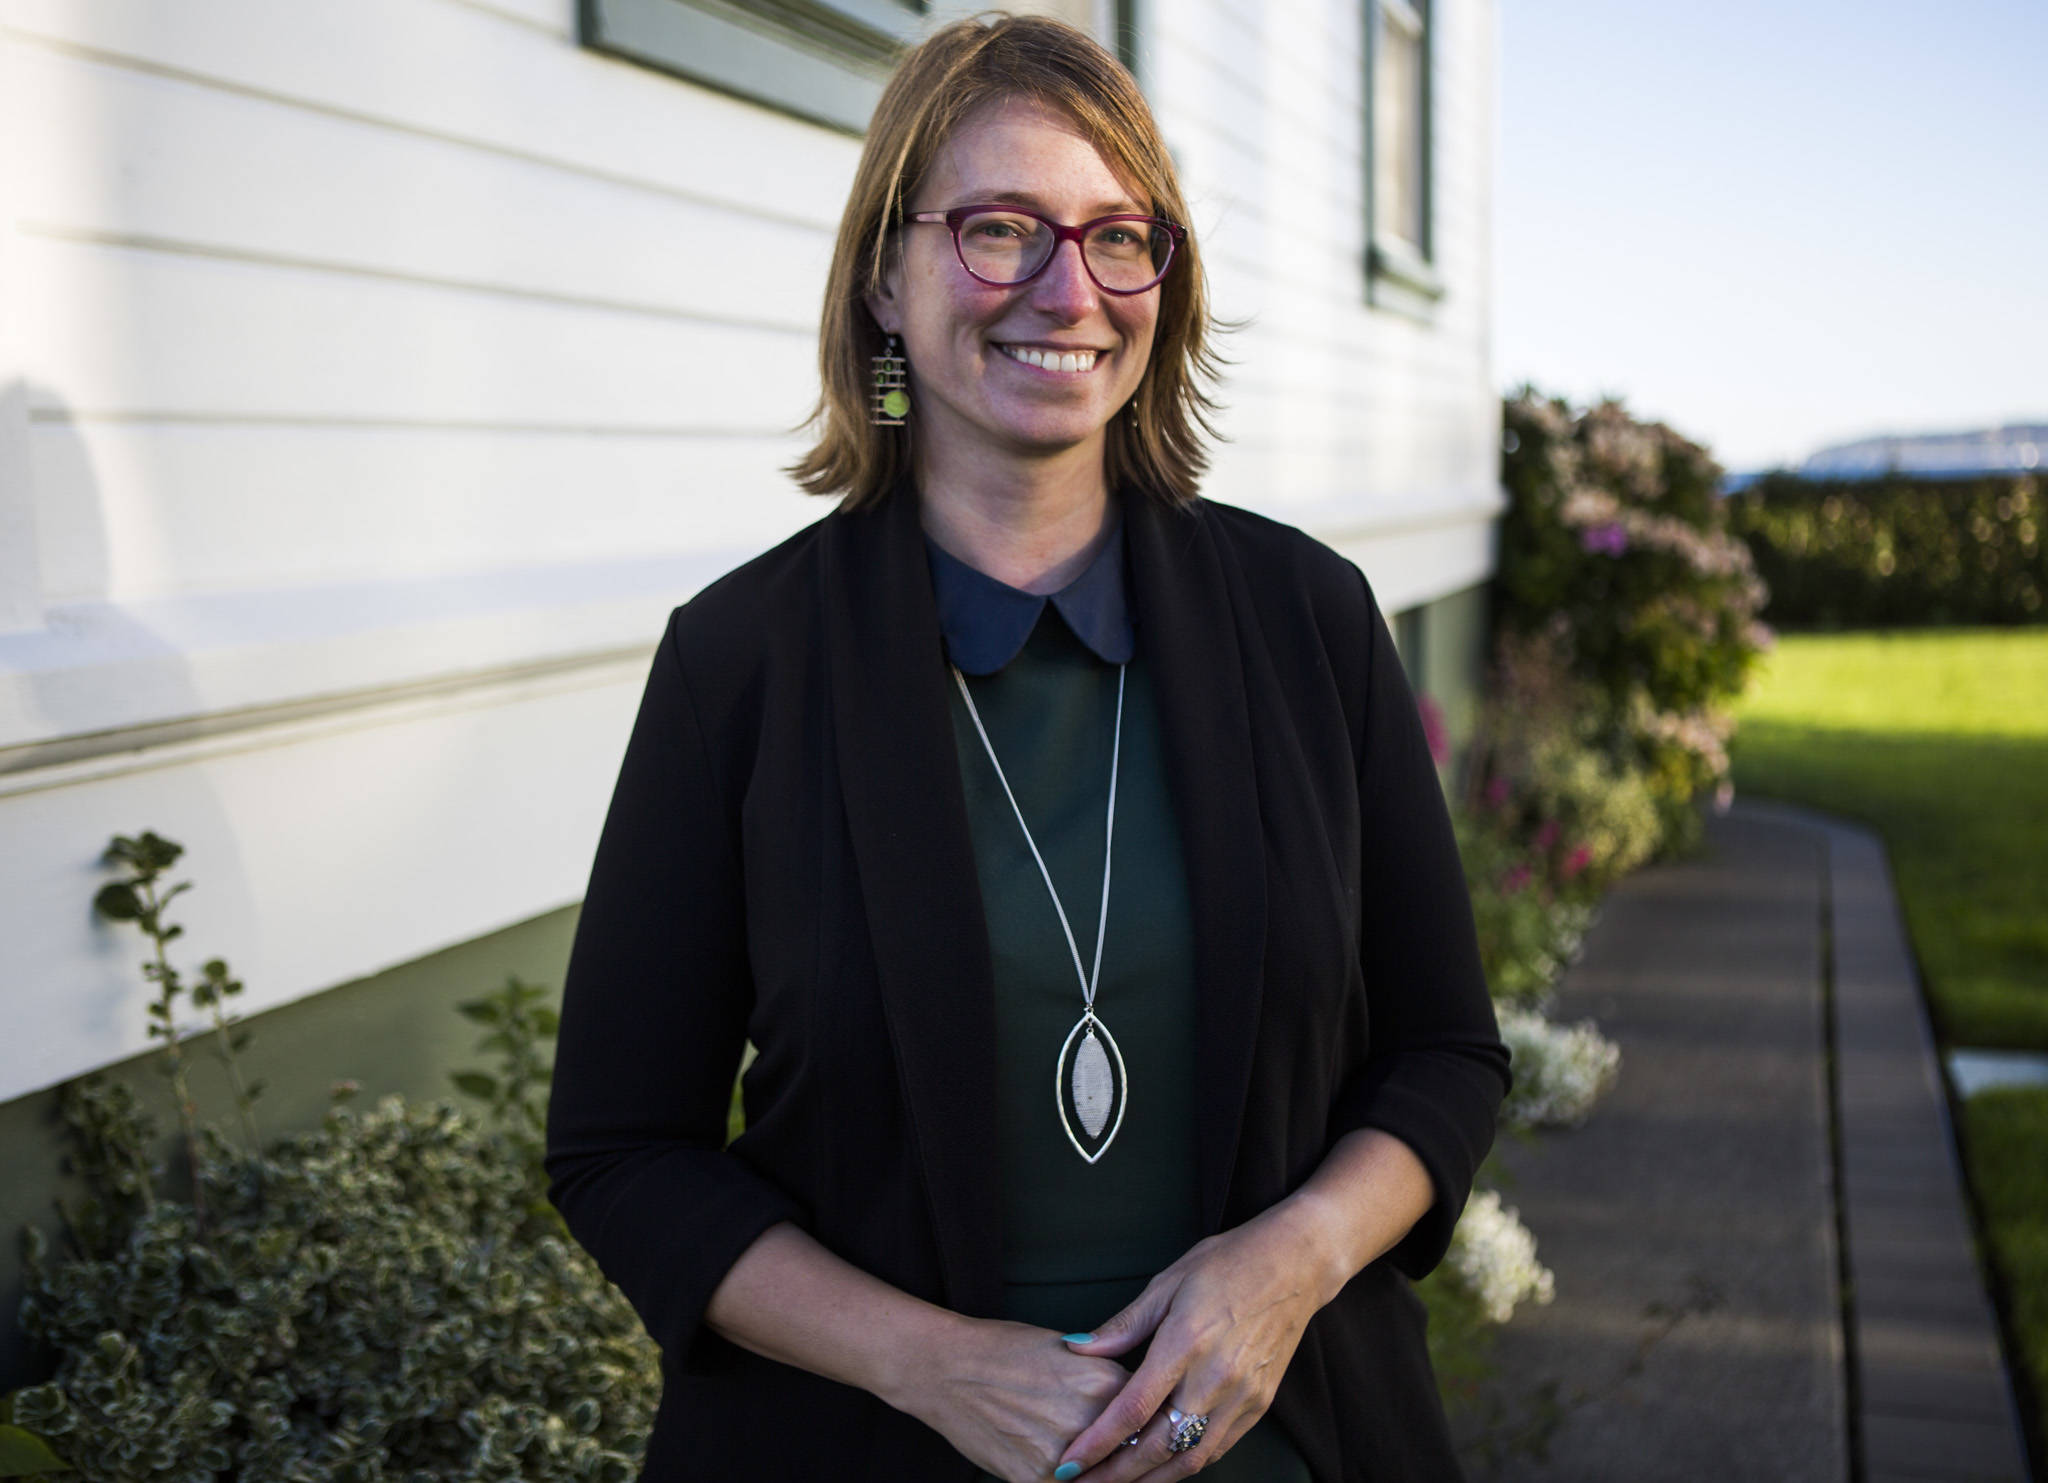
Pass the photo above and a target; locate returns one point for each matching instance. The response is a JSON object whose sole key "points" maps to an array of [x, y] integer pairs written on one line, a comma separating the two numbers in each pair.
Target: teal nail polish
{"points": [[1067, 1470], [1076, 1339]]}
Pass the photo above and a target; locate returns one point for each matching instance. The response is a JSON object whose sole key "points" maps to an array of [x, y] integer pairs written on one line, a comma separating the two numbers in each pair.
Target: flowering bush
{"points": [[1560, 1071], [1546, 771], [1616, 550], [1528, 930], [1494, 1257]]}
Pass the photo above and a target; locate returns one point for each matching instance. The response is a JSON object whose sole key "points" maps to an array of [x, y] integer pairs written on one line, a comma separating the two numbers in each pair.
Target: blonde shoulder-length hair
{"points": [[1156, 447]]}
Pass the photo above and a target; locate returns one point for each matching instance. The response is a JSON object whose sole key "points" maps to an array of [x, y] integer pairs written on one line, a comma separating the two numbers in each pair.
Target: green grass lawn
{"points": [[2004, 1132], [1938, 739]]}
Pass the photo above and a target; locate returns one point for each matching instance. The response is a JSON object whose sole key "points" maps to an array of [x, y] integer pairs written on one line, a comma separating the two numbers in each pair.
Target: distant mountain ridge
{"points": [[2011, 449]]}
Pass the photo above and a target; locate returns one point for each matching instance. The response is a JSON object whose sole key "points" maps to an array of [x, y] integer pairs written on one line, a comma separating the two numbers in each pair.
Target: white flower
{"points": [[1560, 1070], [1493, 1257]]}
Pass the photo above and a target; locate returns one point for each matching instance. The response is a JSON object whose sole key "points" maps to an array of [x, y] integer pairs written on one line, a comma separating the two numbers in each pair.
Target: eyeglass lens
{"points": [[1005, 247]]}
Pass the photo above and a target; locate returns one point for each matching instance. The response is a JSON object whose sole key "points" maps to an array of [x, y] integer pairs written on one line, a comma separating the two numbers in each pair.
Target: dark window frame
{"points": [[822, 60], [1399, 275]]}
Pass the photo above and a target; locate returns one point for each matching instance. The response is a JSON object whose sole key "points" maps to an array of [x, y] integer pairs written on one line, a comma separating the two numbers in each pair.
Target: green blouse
{"points": [[1081, 1240]]}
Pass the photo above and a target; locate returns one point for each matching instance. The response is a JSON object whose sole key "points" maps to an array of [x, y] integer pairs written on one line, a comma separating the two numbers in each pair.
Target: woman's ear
{"points": [[885, 302], [882, 305]]}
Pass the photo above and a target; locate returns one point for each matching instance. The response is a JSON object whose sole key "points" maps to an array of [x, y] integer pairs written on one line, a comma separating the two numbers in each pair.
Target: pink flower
{"points": [[1497, 791], [1515, 880], [1546, 836], [1577, 861], [1609, 539], [1434, 730]]}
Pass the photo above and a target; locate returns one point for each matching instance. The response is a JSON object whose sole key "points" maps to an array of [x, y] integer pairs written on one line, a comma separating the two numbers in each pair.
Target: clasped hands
{"points": [[1224, 1322]]}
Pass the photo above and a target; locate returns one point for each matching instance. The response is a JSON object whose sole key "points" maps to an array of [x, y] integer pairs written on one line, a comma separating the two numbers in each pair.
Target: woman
{"points": [[1069, 849]]}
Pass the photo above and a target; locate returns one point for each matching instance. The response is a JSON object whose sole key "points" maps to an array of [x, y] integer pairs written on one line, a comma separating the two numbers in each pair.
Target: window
{"points": [[824, 60], [1399, 273]]}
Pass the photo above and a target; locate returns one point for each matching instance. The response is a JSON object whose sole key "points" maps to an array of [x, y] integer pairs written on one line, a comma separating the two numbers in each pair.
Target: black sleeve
{"points": [[1436, 1070], [654, 1015]]}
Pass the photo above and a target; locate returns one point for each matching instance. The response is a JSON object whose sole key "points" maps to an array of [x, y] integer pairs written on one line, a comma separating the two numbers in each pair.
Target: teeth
{"points": [[1070, 361]]}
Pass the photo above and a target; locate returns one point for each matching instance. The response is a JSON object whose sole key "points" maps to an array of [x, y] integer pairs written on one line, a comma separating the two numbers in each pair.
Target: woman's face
{"points": [[973, 396]]}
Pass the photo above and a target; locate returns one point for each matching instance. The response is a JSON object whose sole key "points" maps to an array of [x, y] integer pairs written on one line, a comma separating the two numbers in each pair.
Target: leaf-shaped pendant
{"points": [[1094, 1088], [1089, 1083]]}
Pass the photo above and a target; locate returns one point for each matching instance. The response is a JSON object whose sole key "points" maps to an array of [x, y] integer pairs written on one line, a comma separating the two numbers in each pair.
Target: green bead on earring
{"points": [[889, 402]]}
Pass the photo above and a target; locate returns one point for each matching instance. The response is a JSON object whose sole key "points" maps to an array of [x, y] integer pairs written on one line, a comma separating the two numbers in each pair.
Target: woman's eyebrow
{"points": [[1036, 202]]}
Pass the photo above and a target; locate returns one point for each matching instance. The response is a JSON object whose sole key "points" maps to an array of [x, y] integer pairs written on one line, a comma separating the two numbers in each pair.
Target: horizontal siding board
{"points": [[318, 859], [556, 17], [463, 75], [185, 163], [134, 511], [124, 330]]}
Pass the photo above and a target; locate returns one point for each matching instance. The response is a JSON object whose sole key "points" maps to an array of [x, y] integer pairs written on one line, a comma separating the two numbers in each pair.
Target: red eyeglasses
{"points": [[1007, 245]]}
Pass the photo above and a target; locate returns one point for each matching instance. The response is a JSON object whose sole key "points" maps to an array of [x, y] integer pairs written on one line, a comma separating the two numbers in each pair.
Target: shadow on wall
{"points": [[74, 998]]}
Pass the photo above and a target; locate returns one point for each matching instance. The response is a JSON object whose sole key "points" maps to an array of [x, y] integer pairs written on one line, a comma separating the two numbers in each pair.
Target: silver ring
{"points": [[1187, 1430]]}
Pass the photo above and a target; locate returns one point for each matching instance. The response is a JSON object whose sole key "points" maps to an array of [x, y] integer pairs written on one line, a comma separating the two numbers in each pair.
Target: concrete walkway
{"points": [[1703, 1328]]}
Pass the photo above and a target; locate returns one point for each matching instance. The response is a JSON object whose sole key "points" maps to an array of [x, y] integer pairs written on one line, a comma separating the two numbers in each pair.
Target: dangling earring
{"points": [[889, 401]]}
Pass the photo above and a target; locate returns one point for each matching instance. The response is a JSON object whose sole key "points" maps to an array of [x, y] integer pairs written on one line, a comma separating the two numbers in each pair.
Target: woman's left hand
{"points": [[1224, 1321]]}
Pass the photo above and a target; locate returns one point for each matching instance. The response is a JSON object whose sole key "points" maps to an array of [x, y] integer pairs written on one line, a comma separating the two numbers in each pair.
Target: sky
{"points": [[1776, 226]]}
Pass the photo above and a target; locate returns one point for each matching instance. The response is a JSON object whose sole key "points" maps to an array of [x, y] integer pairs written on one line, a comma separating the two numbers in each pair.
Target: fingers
{"points": [[1154, 1460], [1130, 1411], [1217, 1440], [1134, 1324]]}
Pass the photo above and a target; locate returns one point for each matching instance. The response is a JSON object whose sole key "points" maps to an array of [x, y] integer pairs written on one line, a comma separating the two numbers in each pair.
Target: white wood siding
{"points": [[1377, 431], [374, 376]]}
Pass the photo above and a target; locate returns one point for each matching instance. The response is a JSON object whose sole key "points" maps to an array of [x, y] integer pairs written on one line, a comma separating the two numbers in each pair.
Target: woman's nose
{"points": [[1063, 287]]}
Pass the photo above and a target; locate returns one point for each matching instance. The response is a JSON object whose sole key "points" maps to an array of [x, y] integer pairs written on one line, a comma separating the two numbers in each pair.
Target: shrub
{"points": [[1896, 551], [1527, 931], [1615, 552], [1548, 770], [382, 1299], [1560, 1071], [1494, 1258]]}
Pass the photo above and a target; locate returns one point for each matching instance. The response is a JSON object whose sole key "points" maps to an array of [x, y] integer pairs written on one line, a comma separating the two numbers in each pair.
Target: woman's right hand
{"points": [[1009, 1396]]}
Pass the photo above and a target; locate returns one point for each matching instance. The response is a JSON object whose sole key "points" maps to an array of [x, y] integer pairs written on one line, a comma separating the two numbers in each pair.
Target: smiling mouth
{"points": [[1051, 360]]}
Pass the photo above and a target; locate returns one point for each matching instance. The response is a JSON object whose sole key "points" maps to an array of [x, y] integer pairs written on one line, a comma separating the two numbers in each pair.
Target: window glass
{"points": [[1398, 127]]}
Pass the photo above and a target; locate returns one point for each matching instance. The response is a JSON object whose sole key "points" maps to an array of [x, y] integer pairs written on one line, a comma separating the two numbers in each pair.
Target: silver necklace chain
{"points": [[1088, 980], [1092, 1084]]}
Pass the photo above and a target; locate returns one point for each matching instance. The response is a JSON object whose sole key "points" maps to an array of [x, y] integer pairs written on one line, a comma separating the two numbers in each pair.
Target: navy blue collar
{"points": [[985, 622]]}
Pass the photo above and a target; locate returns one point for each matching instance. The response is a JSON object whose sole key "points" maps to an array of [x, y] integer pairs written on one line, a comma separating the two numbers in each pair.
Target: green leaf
{"points": [[547, 1021], [154, 851], [118, 901], [238, 1039], [475, 1083], [255, 1089], [24, 1454], [483, 1011]]}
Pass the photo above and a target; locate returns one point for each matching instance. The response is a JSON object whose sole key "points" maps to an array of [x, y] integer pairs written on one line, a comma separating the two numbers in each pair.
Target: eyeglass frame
{"points": [[1176, 235]]}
